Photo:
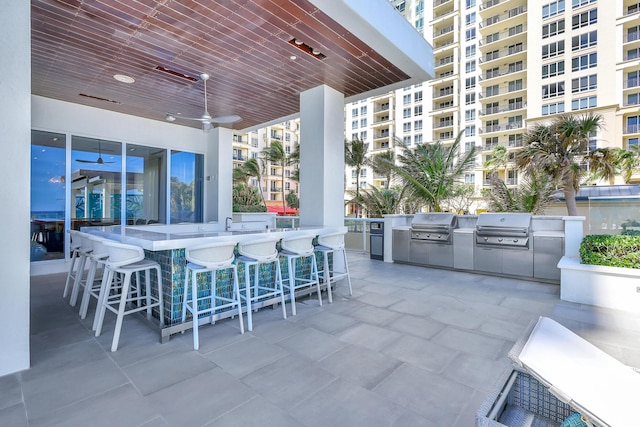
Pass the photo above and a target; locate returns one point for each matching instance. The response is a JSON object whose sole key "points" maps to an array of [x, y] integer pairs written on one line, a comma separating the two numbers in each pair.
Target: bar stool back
{"points": [[210, 258], [84, 250], [126, 260], [254, 253], [294, 248], [333, 243], [74, 247], [97, 257]]}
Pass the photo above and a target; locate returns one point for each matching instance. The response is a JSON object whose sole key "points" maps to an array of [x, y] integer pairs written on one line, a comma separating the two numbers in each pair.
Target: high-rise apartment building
{"points": [[503, 65]]}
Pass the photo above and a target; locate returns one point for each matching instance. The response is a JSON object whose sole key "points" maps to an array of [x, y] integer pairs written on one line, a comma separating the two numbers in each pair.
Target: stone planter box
{"points": [[610, 287]]}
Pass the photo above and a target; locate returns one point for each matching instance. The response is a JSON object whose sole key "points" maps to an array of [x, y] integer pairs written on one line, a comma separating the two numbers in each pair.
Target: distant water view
{"points": [[47, 214]]}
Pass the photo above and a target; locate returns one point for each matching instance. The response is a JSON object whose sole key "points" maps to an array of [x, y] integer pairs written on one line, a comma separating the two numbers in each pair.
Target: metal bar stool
{"points": [[79, 259], [294, 248], [255, 253], [209, 258], [126, 260], [333, 243]]}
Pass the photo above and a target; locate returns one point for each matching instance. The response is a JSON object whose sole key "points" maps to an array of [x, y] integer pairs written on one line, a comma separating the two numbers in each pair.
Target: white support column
{"points": [[15, 174], [322, 157], [218, 174]]}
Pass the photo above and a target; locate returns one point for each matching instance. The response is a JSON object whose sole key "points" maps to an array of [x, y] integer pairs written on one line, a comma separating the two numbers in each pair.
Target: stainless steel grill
{"points": [[503, 230], [433, 227]]}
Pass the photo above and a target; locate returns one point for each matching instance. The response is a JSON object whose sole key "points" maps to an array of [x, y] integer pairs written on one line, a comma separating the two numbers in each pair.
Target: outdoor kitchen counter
{"points": [[166, 244]]}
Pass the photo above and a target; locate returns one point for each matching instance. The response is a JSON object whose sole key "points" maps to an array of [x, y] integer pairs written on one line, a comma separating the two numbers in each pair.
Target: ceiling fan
{"points": [[206, 119], [98, 161]]}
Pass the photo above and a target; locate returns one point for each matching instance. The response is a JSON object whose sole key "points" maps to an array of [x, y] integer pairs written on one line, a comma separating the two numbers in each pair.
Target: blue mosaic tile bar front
{"points": [[173, 266]]}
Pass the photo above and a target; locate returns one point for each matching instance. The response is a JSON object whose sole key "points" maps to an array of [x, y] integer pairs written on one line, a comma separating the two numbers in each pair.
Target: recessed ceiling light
{"points": [[293, 57], [124, 79]]}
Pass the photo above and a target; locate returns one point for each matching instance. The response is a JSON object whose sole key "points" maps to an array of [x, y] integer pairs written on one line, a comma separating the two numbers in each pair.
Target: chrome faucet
{"points": [[227, 223]]}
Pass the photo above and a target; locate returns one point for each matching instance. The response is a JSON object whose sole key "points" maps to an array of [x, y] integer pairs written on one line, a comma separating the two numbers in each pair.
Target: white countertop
{"points": [[167, 237]]}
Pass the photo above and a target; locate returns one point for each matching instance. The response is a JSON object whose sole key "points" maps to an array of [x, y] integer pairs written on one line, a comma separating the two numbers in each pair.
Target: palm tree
{"points": [[379, 202], [497, 161], [628, 162], [382, 164], [355, 156], [431, 170], [557, 150], [604, 163], [253, 170], [276, 155]]}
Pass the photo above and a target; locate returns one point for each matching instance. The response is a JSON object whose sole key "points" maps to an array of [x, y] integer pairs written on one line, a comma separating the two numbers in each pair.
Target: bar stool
{"points": [[97, 258], [333, 243], [294, 248], [126, 260], [79, 259], [256, 253], [210, 258], [74, 249]]}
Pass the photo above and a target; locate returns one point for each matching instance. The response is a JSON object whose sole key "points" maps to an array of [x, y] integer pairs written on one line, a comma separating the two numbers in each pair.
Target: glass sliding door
{"points": [[186, 192], [96, 182], [47, 195], [146, 185]]}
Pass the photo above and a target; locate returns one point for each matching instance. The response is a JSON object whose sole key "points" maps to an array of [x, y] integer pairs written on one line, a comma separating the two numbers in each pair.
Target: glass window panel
{"points": [[146, 184], [47, 195], [186, 187], [95, 182]]}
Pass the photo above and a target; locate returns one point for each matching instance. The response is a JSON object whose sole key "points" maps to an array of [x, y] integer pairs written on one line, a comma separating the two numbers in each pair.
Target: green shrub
{"points": [[611, 250]]}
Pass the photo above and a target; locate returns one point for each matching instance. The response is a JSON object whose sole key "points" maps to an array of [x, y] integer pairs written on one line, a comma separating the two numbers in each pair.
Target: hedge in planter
{"points": [[611, 250]]}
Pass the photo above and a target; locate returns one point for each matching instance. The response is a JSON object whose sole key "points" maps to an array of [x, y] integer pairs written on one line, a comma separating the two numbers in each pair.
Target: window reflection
{"points": [[186, 187], [146, 188], [47, 195], [95, 182]]}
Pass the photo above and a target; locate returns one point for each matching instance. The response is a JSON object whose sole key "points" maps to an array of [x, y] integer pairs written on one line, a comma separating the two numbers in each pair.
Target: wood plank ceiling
{"points": [[79, 45]]}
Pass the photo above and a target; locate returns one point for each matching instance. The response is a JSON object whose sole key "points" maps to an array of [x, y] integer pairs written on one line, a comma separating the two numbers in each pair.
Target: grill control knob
{"points": [[500, 239], [515, 240], [428, 236], [486, 239]]}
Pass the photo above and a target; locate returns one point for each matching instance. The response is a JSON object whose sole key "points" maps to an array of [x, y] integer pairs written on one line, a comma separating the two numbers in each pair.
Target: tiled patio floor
{"points": [[412, 347]]}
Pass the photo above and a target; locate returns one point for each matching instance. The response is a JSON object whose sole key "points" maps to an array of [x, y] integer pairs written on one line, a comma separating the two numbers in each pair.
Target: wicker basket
{"points": [[521, 400]]}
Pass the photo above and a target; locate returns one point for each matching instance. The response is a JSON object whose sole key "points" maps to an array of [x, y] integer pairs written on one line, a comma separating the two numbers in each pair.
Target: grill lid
{"points": [[436, 221], [503, 223]]}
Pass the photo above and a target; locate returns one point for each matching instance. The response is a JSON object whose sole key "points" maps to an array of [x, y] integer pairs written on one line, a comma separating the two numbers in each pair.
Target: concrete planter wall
{"points": [[610, 287]]}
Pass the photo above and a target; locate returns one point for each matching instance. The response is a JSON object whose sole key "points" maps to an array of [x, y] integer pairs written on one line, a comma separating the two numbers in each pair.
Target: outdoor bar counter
{"points": [[166, 244]]}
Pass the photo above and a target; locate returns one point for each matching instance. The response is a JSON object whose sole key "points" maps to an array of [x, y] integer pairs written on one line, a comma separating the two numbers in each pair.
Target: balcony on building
{"points": [[515, 52], [505, 106], [507, 19], [498, 72], [631, 7], [443, 107], [439, 32], [515, 33], [444, 46]]}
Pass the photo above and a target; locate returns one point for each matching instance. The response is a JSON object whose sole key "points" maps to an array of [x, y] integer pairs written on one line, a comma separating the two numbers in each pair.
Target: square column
{"points": [[218, 172], [322, 157], [15, 174]]}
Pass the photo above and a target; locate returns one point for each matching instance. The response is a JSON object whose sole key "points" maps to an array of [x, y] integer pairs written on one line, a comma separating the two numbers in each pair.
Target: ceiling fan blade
{"points": [[198, 119], [226, 119], [85, 161]]}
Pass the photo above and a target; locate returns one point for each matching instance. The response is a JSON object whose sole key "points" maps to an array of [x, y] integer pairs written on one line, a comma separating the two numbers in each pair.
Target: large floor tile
{"points": [[258, 412], [287, 381], [201, 399], [470, 342], [359, 365], [374, 315], [245, 356], [369, 336], [436, 398], [423, 327], [330, 323], [11, 391], [479, 373], [14, 416], [345, 404], [421, 353], [48, 391], [154, 374], [312, 344], [121, 406]]}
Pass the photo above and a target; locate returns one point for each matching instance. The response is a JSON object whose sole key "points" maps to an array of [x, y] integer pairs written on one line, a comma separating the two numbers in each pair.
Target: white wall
{"points": [[15, 152]]}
